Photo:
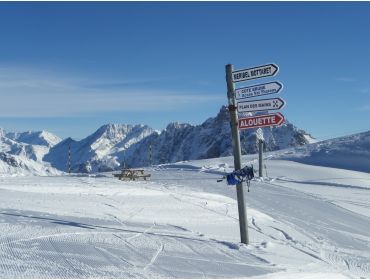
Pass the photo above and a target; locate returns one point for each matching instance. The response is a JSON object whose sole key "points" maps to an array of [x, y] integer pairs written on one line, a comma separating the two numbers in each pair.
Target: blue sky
{"points": [[71, 67]]}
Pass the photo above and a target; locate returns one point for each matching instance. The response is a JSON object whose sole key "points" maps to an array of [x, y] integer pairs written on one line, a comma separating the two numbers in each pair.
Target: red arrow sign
{"points": [[261, 121]]}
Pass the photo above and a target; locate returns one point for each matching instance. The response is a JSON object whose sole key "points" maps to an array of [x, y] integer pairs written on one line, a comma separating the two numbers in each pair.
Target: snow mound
{"points": [[348, 152]]}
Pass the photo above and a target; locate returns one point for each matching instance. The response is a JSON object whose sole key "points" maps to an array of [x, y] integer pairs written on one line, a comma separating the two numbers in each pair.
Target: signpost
{"points": [[255, 73], [260, 139], [261, 121], [261, 105], [258, 90], [243, 221], [232, 77]]}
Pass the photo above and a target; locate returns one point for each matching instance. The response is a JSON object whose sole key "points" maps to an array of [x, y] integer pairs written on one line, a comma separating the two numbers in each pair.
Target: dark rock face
{"points": [[9, 159]]}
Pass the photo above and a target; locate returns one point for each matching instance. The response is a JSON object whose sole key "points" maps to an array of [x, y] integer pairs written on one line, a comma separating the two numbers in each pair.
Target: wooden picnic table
{"points": [[132, 174]]}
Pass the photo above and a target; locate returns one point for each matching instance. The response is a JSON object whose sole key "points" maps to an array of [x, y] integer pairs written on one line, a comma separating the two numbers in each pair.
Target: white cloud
{"points": [[27, 93]]}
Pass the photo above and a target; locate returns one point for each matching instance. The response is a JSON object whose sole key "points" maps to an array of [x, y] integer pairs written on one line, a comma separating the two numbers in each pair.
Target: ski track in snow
{"points": [[50, 245], [86, 227], [353, 263]]}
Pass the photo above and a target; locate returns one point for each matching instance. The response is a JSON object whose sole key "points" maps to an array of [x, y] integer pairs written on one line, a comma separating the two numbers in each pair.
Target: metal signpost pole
{"points": [[150, 155], [243, 222], [260, 148], [69, 159]]}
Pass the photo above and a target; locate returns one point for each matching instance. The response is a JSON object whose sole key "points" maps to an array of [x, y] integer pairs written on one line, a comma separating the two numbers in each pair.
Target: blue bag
{"points": [[238, 176], [231, 179]]}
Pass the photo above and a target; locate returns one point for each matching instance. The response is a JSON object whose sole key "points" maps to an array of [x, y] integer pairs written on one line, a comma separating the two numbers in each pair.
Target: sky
{"points": [[70, 67]]}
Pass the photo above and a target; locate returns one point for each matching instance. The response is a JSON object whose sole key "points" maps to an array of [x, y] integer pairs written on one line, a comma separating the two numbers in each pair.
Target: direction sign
{"points": [[261, 105], [261, 121], [255, 73], [258, 90]]}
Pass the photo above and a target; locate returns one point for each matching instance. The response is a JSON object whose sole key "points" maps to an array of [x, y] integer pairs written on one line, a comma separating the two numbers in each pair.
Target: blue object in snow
{"points": [[238, 176]]}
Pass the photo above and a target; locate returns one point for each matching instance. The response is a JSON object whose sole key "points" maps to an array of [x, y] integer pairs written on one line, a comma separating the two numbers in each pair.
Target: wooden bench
{"points": [[132, 175]]}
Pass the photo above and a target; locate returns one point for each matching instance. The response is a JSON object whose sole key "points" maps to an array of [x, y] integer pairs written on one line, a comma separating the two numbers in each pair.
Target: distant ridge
{"points": [[211, 139], [347, 152], [113, 145]]}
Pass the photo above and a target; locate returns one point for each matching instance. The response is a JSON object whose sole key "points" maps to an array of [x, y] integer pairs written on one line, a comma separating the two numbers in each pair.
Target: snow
{"points": [[139, 145], [101, 151], [43, 138], [22, 153], [13, 165], [348, 152], [305, 221]]}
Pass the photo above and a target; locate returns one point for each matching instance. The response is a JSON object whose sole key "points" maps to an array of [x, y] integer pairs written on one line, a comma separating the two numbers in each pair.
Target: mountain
{"points": [[179, 142], [42, 138], [22, 153], [30, 145], [115, 145], [99, 151], [18, 165]]}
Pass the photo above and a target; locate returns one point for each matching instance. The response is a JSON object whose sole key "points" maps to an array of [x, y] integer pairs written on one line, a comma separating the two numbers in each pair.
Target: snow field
{"points": [[78, 227], [304, 222]]}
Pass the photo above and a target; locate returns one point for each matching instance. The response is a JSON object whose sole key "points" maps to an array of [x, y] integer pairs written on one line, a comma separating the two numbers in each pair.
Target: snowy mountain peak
{"points": [[103, 150], [112, 130], [140, 145], [177, 125], [179, 142], [42, 138], [123, 135], [26, 147], [117, 132]]}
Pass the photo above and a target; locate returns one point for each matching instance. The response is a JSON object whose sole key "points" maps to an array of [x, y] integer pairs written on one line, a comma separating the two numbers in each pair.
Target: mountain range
{"points": [[113, 146]]}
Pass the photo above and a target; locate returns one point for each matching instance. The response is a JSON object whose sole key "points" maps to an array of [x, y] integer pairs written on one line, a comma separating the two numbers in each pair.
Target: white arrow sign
{"points": [[261, 105], [258, 90], [255, 73]]}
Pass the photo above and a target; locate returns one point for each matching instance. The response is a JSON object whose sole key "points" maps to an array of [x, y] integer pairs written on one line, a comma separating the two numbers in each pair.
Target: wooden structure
{"points": [[132, 175]]}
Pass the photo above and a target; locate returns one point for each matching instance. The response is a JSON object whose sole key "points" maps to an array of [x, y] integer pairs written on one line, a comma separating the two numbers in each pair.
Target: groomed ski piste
{"points": [[305, 221]]}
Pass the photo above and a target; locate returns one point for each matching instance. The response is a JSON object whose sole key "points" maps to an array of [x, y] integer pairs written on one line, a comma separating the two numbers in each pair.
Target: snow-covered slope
{"points": [[31, 145], [349, 152], [304, 221], [99, 151], [12, 165], [22, 153], [41, 138]]}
